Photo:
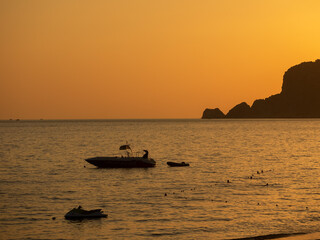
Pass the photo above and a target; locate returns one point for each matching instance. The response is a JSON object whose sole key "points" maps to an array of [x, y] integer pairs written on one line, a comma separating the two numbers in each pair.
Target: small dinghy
{"points": [[79, 213], [176, 164]]}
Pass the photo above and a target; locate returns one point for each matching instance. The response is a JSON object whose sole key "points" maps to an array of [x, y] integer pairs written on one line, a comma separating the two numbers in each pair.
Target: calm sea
{"points": [[43, 175]]}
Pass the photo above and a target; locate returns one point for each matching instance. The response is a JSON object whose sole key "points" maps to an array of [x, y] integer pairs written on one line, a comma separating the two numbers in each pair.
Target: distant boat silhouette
{"points": [[127, 161], [176, 164], [79, 213]]}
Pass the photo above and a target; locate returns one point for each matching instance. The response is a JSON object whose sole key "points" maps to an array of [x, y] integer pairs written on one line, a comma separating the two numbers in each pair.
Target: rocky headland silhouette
{"points": [[299, 98]]}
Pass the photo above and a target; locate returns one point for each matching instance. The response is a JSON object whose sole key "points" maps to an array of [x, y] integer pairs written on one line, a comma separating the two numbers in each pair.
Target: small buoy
{"points": [[53, 218], [250, 177], [84, 166], [228, 181], [258, 204], [261, 171], [276, 205], [165, 194], [267, 184], [258, 172]]}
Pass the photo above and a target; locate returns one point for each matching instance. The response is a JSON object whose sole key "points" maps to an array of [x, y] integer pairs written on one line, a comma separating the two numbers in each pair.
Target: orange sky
{"points": [[148, 59]]}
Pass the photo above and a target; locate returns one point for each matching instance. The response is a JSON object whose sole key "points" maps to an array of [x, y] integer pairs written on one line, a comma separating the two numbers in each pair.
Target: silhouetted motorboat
{"points": [[178, 164], [127, 161], [79, 213]]}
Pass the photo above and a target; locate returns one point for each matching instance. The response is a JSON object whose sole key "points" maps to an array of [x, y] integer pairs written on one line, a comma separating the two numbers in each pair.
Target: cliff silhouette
{"points": [[299, 98]]}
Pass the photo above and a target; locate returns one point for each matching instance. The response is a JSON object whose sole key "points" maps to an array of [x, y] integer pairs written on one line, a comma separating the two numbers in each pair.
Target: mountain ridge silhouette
{"points": [[299, 98]]}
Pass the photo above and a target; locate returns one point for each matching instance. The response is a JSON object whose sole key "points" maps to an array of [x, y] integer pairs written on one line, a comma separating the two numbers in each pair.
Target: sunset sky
{"points": [[65, 59]]}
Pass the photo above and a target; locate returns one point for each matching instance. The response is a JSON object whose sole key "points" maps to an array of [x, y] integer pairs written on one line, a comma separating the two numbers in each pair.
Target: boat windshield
{"points": [[126, 150], [125, 147]]}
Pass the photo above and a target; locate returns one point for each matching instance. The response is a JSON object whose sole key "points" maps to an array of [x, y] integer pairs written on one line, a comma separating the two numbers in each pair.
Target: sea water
{"points": [[246, 178]]}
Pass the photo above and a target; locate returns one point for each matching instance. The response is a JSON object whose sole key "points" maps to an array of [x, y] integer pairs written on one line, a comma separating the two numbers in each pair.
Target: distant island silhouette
{"points": [[299, 98]]}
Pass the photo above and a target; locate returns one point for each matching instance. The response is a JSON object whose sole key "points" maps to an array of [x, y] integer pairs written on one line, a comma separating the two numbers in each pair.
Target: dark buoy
{"points": [[228, 181], [53, 218], [165, 194]]}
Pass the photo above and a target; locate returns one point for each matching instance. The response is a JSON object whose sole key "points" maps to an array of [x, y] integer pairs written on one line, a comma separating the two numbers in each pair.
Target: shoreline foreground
{"points": [[292, 236]]}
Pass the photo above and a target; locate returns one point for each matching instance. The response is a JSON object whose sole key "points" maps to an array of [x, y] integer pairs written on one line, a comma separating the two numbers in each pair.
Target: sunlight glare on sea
{"points": [[246, 178]]}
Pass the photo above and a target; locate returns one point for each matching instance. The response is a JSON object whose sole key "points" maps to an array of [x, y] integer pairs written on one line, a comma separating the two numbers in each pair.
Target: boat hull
{"points": [[121, 162], [175, 164], [81, 214]]}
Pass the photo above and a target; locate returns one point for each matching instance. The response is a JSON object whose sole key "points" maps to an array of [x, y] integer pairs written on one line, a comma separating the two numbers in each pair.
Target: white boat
{"points": [[124, 161]]}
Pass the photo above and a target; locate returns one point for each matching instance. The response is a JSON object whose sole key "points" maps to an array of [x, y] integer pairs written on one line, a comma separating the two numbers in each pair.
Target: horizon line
{"points": [[88, 119]]}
